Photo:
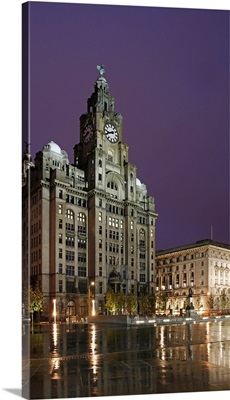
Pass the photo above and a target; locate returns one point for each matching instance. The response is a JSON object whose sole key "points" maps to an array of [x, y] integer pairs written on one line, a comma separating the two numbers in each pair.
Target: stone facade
{"points": [[89, 224], [197, 273]]}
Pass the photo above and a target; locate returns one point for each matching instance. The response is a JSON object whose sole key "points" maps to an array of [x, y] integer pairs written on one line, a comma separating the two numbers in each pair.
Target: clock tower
{"points": [[121, 215], [100, 132]]}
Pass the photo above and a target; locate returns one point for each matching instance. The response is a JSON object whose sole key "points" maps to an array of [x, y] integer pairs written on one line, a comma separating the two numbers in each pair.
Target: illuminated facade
{"points": [[203, 267], [90, 224]]}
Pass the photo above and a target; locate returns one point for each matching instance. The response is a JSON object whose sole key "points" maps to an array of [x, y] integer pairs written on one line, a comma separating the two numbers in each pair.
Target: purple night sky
{"points": [[168, 70]]}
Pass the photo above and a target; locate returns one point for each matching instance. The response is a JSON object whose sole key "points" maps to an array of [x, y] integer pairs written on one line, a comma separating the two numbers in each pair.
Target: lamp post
{"points": [[55, 310], [92, 298]]}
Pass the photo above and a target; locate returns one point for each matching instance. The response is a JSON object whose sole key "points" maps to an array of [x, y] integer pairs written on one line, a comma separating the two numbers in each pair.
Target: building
{"points": [[197, 273], [88, 225]]}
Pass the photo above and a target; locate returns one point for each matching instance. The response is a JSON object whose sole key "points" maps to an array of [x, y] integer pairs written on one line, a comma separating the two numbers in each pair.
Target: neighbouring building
{"points": [[197, 273], [89, 225]]}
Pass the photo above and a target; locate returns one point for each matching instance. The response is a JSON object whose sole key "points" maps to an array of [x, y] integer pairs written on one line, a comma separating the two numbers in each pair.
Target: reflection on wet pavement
{"points": [[96, 360]]}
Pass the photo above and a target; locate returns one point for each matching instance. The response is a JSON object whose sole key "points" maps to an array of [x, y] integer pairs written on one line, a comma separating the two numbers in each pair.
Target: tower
{"points": [[121, 214]]}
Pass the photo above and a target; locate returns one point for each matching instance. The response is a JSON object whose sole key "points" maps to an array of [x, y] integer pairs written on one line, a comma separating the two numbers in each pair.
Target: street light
{"points": [[55, 310], [92, 304], [93, 300]]}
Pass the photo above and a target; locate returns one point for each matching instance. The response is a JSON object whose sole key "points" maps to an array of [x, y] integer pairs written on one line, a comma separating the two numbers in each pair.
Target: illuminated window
{"points": [[81, 217], [69, 214]]}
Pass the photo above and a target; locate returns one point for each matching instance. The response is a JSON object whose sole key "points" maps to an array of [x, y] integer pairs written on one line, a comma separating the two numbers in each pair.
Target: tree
{"points": [[199, 305], [161, 300], [36, 300], [111, 301], [131, 303], [144, 302], [152, 303], [223, 300], [120, 301], [210, 302]]}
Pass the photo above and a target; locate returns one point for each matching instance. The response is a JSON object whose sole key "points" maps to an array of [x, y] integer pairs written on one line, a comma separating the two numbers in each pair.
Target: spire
{"points": [[101, 100]]}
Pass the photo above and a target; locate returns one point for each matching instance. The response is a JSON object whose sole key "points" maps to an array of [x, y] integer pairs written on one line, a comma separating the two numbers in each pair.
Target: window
{"points": [[110, 156], [81, 243], [82, 287], [142, 278], [60, 286], [100, 288], [70, 287], [100, 177], [81, 230], [69, 214], [70, 270], [100, 257], [60, 253], [82, 257], [60, 238], [100, 230], [100, 202], [100, 216], [69, 241], [69, 255], [100, 244], [81, 217], [69, 199], [60, 224], [60, 209], [132, 275], [82, 271], [132, 225], [60, 194], [69, 227], [100, 271], [112, 185], [60, 268]]}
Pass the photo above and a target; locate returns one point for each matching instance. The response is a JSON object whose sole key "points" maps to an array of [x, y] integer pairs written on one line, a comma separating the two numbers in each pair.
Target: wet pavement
{"points": [[87, 360]]}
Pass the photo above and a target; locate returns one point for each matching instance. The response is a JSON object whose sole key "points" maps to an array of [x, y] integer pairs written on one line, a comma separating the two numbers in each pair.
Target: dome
{"points": [[51, 146], [138, 182]]}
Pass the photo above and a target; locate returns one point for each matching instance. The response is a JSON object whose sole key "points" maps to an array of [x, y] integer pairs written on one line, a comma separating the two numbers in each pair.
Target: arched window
{"points": [[112, 185], [69, 214], [81, 229], [81, 217]]}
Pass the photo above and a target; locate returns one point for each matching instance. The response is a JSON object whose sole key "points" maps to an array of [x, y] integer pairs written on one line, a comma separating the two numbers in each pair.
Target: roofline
{"points": [[199, 243]]}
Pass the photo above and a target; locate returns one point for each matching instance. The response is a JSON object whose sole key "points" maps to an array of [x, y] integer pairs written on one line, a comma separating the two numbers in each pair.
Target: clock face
{"points": [[111, 132], [87, 133]]}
